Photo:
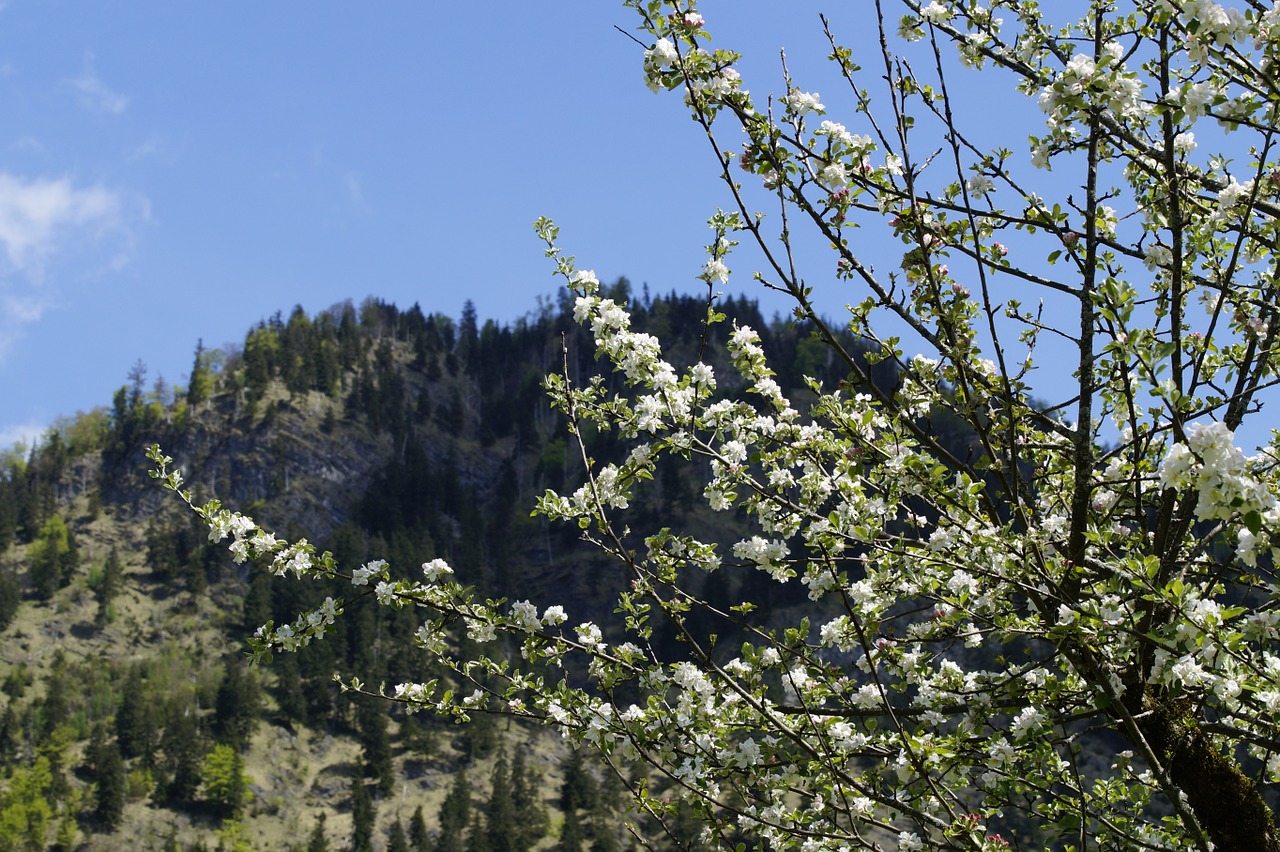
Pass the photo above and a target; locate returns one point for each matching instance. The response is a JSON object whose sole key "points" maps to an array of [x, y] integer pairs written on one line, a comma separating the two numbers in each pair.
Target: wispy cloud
{"points": [[28, 434], [355, 191], [22, 310], [49, 221], [154, 147], [95, 94], [27, 145], [36, 216]]}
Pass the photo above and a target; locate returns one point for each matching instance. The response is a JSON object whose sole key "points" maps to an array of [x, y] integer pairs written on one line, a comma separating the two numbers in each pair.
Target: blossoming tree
{"points": [[1098, 578]]}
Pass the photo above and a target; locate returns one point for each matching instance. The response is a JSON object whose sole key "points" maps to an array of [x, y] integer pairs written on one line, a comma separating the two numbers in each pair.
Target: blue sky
{"points": [[174, 172], [170, 172]]}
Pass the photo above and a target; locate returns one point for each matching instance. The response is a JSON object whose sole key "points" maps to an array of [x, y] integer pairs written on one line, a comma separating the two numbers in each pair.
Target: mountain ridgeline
{"points": [[378, 432]]}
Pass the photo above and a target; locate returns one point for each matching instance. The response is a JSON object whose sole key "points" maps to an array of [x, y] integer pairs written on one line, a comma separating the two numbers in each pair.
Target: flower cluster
{"points": [[1210, 463]]}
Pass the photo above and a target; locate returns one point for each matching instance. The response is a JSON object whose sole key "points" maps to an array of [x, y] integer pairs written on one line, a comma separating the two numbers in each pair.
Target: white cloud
{"points": [[95, 94], [52, 223], [15, 312], [37, 216]]}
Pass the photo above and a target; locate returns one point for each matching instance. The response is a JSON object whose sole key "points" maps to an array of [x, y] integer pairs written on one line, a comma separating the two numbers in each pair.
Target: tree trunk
{"points": [[1228, 805]]}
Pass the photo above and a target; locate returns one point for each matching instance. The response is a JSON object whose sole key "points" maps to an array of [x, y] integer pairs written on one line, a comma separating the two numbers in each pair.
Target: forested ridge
{"points": [[129, 714]]}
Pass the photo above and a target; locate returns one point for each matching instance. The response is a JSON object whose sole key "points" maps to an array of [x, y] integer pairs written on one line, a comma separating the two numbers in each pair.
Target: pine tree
{"points": [[256, 610], [530, 814], [109, 775], [10, 595], [318, 841], [183, 747], [605, 834], [201, 385], [70, 559], [418, 831], [362, 817], [136, 721], [9, 728], [468, 334], [604, 819], [289, 693], [577, 787], [162, 550], [109, 587], [478, 837], [504, 833], [56, 705], [396, 841], [371, 719], [571, 834], [236, 705], [455, 812]]}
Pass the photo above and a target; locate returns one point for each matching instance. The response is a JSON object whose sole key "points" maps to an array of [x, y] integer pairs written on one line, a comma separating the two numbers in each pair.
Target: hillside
{"points": [[129, 717]]}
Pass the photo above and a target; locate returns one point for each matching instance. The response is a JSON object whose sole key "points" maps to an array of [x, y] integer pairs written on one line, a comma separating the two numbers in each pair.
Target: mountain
{"points": [[129, 718]]}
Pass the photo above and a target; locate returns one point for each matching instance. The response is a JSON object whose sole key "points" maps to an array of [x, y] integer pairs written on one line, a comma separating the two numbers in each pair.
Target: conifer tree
{"points": [[418, 832], [136, 720], [604, 832], [318, 841], [577, 787], [8, 733], [8, 506], [417, 734], [478, 837], [455, 813], [71, 559], [362, 817], [371, 719], [236, 705], [109, 587], [571, 834], [256, 610], [109, 777], [183, 747], [162, 550], [289, 693], [10, 595], [530, 814], [504, 833], [201, 385], [56, 704], [468, 335], [604, 817], [396, 841]]}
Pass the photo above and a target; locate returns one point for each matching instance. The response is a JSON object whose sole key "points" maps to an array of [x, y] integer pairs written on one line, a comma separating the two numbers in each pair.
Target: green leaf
{"points": [[1253, 520]]}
